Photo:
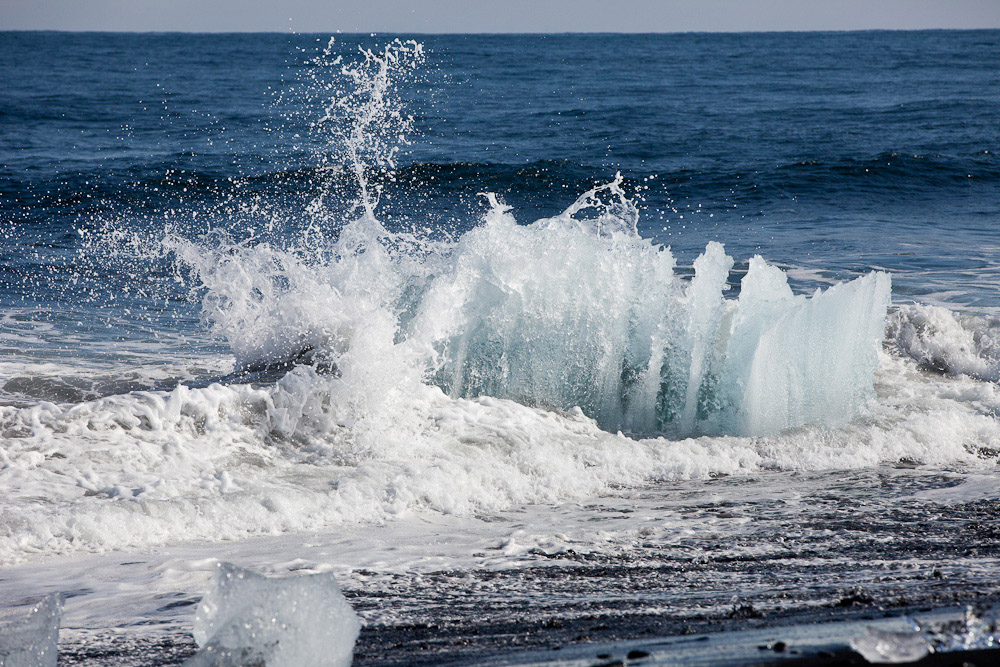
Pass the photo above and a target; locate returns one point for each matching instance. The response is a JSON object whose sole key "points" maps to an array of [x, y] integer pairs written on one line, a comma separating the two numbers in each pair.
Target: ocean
{"points": [[531, 341]]}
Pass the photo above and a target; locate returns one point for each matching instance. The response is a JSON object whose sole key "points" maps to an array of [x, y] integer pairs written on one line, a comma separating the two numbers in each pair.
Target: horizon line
{"points": [[369, 33]]}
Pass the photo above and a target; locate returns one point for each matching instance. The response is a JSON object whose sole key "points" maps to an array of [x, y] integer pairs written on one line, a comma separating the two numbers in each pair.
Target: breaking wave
{"points": [[572, 311], [948, 342]]}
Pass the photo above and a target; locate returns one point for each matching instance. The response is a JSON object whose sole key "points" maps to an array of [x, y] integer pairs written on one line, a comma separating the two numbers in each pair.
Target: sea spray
{"points": [[556, 314], [577, 310], [364, 121], [948, 342]]}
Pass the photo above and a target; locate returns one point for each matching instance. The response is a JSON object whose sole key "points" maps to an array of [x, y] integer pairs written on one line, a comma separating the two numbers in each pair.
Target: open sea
{"points": [[532, 342]]}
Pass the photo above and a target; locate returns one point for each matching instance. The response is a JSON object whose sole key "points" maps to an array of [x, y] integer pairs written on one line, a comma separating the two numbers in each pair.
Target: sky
{"points": [[436, 16]]}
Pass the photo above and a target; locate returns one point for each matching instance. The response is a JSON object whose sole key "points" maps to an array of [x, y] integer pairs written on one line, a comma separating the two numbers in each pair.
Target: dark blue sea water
{"points": [[254, 285], [837, 152]]}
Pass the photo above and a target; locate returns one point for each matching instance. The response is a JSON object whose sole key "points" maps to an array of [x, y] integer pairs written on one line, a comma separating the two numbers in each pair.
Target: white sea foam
{"points": [[224, 462], [969, 489], [948, 341]]}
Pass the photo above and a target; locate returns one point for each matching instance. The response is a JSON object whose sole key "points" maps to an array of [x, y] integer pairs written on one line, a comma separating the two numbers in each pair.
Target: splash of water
{"points": [[555, 314], [364, 122]]}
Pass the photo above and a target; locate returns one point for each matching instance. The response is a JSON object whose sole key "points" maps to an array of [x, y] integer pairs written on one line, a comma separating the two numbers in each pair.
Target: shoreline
{"points": [[816, 638], [733, 555]]}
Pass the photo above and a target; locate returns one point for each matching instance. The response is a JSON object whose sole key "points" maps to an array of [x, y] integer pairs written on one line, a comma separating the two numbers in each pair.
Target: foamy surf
{"points": [[224, 462]]}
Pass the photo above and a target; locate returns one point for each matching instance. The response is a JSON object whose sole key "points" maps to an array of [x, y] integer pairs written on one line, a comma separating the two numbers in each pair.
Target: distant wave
{"points": [[887, 174]]}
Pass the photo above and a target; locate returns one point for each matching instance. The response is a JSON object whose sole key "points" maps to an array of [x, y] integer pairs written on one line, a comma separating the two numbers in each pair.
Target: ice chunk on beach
{"points": [[32, 640], [975, 630], [294, 621], [551, 315], [891, 646]]}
